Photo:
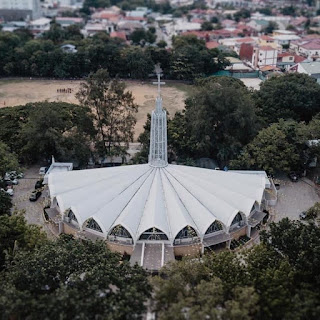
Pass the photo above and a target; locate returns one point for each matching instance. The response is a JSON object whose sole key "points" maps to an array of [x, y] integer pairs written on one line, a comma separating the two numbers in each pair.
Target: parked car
{"points": [[294, 177], [35, 195], [303, 215], [38, 184], [43, 170], [8, 191]]}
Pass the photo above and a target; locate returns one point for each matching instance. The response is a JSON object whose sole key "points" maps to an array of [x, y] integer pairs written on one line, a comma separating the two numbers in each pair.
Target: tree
{"points": [[201, 289], [206, 26], [137, 63], [8, 160], [270, 27], [15, 235], [289, 11], [162, 44], [141, 36], [84, 280], [277, 279], [242, 14], [60, 129], [191, 59], [294, 95], [220, 118], [114, 111], [275, 149], [5, 203]]}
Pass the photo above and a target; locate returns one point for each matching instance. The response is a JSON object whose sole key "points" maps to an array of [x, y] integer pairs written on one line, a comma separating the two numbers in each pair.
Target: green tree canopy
{"points": [[5, 203], [191, 59], [276, 148], [72, 279], [294, 95], [278, 279], [16, 234], [220, 118], [57, 128], [8, 160], [113, 109]]}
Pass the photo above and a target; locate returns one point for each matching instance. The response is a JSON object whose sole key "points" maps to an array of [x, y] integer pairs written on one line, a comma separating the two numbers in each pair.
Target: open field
{"points": [[20, 92]]}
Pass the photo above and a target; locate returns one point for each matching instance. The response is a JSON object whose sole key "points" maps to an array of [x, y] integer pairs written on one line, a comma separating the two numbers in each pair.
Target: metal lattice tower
{"points": [[158, 133]]}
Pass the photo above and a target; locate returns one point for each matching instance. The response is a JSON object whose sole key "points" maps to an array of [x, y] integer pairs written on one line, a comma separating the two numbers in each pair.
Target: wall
{"points": [[238, 233], [67, 229], [117, 247], [192, 250]]}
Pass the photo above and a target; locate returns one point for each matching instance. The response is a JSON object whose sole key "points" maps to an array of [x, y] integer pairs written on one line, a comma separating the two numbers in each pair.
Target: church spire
{"points": [[158, 132]]}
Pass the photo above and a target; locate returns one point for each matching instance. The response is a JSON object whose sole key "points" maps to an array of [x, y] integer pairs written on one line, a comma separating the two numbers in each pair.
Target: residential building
{"points": [[91, 28], [69, 21], [264, 56], [12, 10], [309, 48], [311, 68], [268, 41], [40, 25]]}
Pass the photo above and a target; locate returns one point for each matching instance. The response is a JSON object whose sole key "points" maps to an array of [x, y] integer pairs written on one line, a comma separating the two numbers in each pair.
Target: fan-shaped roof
{"points": [[140, 197]]}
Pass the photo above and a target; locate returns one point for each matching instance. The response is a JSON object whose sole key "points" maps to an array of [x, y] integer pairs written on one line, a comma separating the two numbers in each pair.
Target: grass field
{"points": [[20, 92]]}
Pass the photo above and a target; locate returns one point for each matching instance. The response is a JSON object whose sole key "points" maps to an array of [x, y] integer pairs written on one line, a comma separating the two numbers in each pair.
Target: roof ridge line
{"points": [[182, 201], [165, 203], [83, 186], [118, 194], [153, 169], [150, 172], [191, 194]]}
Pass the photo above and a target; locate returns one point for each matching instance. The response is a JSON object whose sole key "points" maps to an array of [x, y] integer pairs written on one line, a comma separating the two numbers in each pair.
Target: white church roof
{"points": [[140, 197]]}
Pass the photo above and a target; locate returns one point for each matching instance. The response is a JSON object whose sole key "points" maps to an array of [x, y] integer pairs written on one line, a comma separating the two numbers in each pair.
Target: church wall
{"points": [[67, 229], [121, 248], [192, 250], [239, 233]]}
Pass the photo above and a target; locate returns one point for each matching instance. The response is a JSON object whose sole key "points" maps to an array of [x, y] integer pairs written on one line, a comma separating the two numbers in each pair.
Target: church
{"points": [[158, 212]]}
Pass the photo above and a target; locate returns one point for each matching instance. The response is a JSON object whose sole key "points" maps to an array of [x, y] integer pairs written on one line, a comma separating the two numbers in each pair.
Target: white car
{"points": [[9, 191], [43, 170], [15, 181]]}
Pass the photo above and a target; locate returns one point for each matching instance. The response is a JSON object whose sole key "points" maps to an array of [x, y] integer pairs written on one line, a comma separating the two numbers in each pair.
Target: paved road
{"points": [[22, 191], [295, 197]]}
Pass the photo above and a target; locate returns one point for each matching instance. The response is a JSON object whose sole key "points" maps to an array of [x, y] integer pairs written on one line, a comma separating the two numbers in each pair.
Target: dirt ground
{"points": [[20, 92]]}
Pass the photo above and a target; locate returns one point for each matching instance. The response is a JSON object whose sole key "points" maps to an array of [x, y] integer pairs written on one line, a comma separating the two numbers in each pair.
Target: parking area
{"points": [[22, 191], [295, 197]]}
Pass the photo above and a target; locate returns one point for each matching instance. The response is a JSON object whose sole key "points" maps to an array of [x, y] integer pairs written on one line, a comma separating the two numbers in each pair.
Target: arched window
{"points": [[237, 219], [92, 224], [186, 232], [153, 234], [214, 227], [120, 231], [72, 216]]}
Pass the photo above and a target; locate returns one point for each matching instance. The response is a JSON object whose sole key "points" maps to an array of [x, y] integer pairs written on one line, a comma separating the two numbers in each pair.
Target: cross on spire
{"points": [[159, 83]]}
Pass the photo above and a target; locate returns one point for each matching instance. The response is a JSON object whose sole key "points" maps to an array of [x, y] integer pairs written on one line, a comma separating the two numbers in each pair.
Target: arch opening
{"points": [[120, 231], [153, 234], [214, 227], [93, 225], [186, 232], [71, 218], [238, 221]]}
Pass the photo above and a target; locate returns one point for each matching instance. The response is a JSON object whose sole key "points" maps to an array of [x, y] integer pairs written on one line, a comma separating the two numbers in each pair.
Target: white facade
{"points": [[32, 5], [264, 56], [40, 25]]}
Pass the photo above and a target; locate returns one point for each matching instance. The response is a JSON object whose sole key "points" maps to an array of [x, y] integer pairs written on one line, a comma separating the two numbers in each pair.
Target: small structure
{"points": [[57, 167], [311, 68], [69, 48], [40, 25]]}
